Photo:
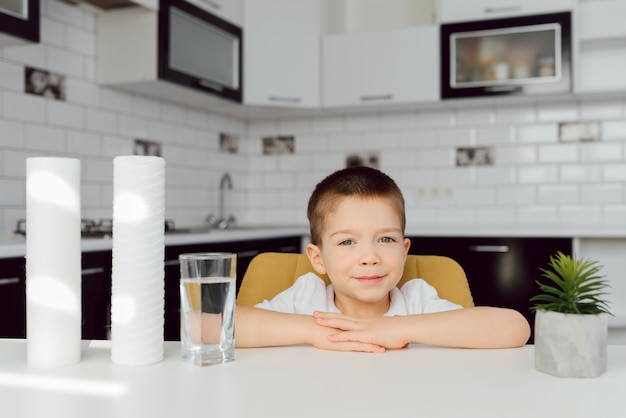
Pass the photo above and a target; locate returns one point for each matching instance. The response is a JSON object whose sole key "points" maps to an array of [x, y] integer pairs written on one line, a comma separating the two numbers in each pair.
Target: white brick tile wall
{"points": [[52, 32], [537, 215], [360, 123], [579, 173], [531, 134], [83, 92], [559, 111], [45, 139], [495, 135], [580, 215], [614, 130], [496, 216], [561, 153], [101, 121], [515, 155], [11, 134], [26, 107], [601, 109], [557, 194], [611, 151], [537, 174], [11, 76], [32, 55], [515, 114], [64, 62], [13, 192], [475, 116], [516, 196], [66, 115], [602, 193], [398, 120], [84, 144]]}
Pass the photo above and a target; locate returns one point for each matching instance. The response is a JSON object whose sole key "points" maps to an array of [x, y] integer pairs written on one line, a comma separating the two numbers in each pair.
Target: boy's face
{"points": [[363, 251]]}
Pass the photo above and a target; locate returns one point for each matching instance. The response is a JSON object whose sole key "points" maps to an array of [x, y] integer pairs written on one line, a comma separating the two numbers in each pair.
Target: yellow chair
{"points": [[270, 273]]}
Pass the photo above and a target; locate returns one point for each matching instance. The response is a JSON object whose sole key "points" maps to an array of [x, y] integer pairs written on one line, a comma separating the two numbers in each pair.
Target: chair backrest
{"points": [[270, 273]]}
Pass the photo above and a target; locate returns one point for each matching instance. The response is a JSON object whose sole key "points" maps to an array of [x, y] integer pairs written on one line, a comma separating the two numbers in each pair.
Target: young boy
{"points": [[357, 223]]}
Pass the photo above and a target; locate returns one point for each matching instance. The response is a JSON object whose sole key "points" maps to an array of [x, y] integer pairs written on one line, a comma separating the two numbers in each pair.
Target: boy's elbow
{"points": [[518, 328]]}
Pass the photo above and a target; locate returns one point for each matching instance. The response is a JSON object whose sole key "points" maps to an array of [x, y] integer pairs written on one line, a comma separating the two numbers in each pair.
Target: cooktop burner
{"points": [[91, 228]]}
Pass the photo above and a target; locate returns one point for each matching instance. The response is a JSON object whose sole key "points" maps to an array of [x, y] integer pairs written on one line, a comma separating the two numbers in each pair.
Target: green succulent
{"points": [[573, 286]]}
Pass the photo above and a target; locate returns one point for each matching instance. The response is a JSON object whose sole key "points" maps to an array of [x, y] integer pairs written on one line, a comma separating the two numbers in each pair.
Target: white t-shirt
{"points": [[309, 293]]}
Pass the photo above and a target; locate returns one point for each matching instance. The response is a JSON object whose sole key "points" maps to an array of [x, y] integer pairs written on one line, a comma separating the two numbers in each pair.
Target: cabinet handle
{"points": [[503, 9], [213, 4], [378, 97], [489, 248], [95, 270], [171, 262], [284, 99], [9, 280]]}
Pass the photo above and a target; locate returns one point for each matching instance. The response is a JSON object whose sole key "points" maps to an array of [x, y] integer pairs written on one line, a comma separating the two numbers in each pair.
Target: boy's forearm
{"points": [[479, 327], [255, 327]]}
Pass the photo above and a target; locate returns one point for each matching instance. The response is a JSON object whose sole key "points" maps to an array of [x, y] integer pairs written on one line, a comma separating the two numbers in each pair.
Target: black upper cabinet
{"points": [[199, 50], [19, 22]]}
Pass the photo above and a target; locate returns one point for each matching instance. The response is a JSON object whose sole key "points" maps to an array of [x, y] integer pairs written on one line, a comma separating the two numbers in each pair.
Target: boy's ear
{"points": [[315, 257]]}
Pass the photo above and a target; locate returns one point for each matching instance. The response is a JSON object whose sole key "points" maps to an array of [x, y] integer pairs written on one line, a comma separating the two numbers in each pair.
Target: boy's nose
{"points": [[370, 256]]}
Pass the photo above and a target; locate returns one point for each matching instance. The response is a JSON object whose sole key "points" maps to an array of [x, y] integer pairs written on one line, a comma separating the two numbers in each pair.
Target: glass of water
{"points": [[207, 307]]}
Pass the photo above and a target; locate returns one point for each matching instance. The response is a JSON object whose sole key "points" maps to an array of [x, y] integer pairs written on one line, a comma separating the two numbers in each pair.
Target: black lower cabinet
{"points": [[96, 285], [246, 250], [501, 271], [13, 297], [96, 295]]}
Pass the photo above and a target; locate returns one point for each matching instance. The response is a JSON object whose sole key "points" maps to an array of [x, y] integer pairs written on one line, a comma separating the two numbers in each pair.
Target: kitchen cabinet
{"points": [[381, 68], [246, 250], [463, 10], [601, 40], [501, 271], [13, 297], [282, 53], [95, 296], [180, 54], [19, 22], [230, 10]]}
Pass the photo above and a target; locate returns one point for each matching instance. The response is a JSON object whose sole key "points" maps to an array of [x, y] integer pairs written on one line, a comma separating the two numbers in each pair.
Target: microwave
{"points": [[199, 50], [526, 55]]}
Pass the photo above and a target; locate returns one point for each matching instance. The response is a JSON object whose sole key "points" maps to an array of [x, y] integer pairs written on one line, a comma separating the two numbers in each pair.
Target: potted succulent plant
{"points": [[571, 318]]}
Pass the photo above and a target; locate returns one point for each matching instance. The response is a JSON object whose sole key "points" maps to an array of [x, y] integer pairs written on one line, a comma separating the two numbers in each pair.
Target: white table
{"points": [[301, 381]]}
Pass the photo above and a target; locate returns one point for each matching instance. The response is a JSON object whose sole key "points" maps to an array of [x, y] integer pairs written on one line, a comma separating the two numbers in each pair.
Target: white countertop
{"points": [[302, 381], [16, 246]]}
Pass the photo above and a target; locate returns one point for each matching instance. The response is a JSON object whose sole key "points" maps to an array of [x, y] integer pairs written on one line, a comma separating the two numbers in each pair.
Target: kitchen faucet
{"points": [[221, 221]]}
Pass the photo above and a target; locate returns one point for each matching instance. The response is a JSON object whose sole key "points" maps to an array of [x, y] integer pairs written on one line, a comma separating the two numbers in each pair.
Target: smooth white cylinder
{"points": [[53, 262], [138, 275]]}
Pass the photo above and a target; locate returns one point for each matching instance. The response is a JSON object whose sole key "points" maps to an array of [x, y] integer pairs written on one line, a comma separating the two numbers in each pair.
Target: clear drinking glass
{"points": [[207, 307]]}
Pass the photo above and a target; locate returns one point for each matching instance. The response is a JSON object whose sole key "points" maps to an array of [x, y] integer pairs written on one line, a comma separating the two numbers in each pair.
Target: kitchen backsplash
{"points": [[529, 177]]}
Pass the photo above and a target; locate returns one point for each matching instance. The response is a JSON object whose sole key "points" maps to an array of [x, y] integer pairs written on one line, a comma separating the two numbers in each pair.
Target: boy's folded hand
{"points": [[383, 331]]}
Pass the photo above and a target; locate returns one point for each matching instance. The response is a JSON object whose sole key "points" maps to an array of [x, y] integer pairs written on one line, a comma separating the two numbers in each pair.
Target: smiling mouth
{"points": [[370, 279]]}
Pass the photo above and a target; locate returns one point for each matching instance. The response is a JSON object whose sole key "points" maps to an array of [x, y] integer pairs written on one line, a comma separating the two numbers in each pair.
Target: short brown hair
{"points": [[363, 182]]}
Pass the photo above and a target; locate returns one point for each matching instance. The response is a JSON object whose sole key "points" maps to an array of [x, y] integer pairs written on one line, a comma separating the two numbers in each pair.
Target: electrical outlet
{"points": [[579, 131]]}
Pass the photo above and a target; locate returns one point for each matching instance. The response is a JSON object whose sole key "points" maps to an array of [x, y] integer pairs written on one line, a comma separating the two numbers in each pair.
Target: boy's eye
{"points": [[346, 242], [387, 239]]}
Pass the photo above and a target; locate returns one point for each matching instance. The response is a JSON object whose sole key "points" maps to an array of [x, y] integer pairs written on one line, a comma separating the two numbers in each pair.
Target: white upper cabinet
{"points": [[601, 41], [467, 10], [229, 10], [282, 53], [380, 68]]}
